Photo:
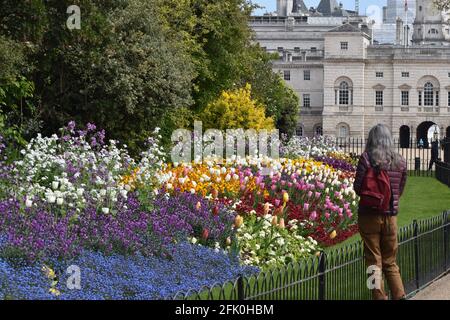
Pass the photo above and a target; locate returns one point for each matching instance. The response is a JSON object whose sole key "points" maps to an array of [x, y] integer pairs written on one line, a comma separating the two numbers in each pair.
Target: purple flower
{"points": [[71, 126]]}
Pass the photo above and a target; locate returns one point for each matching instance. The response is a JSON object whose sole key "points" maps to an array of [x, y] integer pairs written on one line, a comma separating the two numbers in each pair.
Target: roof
{"points": [[299, 6], [328, 7], [346, 27]]}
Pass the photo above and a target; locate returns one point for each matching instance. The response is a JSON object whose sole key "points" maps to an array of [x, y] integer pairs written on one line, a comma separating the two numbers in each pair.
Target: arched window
{"points": [[318, 130], [299, 132], [428, 94], [344, 93]]}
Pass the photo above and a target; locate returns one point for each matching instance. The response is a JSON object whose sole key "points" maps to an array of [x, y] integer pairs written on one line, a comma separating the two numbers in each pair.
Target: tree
{"points": [[236, 109], [281, 101], [120, 70], [17, 111], [218, 36]]}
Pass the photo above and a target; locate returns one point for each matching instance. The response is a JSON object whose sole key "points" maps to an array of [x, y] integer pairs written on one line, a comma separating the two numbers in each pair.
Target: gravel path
{"points": [[440, 290]]}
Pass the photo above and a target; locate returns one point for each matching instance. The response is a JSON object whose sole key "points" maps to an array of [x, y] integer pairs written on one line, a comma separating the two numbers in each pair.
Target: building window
{"points": [[318, 130], [344, 45], [448, 102], [428, 94], [437, 98], [379, 74], [297, 49], [307, 75], [287, 75], [344, 93], [280, 49], [420, 98], [405, 98], [313, 49], [299, 132], [433, 31], [379, 98], [405, 74], [449, 74], [343, 131], [306, 100]]}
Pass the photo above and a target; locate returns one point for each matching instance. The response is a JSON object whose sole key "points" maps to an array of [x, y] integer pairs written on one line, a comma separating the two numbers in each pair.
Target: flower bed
{"points": [[72, 199]]}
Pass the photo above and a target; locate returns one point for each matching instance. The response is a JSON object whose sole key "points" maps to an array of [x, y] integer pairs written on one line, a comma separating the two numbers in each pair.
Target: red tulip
{"points": [[205, 234]]}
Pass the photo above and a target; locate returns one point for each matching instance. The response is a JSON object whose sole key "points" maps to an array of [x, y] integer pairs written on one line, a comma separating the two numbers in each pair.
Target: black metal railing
{"points": [[340, 274], [417, 153], [443, 172], [446, 149]]}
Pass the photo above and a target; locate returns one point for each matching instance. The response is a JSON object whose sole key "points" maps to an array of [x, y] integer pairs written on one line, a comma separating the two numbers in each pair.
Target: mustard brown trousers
{"points": [[379, 233]]}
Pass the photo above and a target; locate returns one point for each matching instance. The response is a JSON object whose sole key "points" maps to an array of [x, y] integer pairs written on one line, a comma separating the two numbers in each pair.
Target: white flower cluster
{"points": [[303, 147], [266, 243], [71, 172]]}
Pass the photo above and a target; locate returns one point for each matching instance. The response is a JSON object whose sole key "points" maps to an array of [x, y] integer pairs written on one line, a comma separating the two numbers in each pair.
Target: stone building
{"points": [[347, 83]]}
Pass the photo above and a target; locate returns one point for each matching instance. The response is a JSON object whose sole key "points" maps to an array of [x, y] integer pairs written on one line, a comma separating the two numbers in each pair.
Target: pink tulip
{"points": [[310, 194], [327, 215], [273, 187], [306, 206], [318, 194], [283, 183], [262, 185], [346, 206], [277, 203], [290, 184], [313, 216], [349, 214]]}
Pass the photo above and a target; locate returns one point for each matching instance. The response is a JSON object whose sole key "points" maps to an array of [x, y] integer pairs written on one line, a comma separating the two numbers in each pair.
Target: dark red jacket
{"points": [[397, 178]]}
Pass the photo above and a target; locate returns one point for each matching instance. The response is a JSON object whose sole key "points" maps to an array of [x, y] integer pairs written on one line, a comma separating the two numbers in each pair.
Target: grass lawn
{"points": [[424, 197]]}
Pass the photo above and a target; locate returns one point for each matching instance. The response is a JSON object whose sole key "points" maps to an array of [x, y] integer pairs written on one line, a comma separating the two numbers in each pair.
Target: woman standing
{"points": [[377, 214]]}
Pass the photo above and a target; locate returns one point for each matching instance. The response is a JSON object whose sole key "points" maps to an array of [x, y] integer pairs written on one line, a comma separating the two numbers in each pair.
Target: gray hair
{"points": [[380, 147]]}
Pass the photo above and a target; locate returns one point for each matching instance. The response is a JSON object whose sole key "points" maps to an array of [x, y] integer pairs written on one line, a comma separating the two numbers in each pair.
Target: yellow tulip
{"points": [[333, 234], [285, 197], [238, 221], [54, 291]]}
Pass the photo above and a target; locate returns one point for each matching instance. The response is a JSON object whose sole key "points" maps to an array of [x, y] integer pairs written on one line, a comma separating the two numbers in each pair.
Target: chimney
{"points": [[399, 32]]}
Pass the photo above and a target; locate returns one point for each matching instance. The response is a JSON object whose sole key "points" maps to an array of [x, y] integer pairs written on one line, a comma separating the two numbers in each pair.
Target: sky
{"points": [[366, 6]]}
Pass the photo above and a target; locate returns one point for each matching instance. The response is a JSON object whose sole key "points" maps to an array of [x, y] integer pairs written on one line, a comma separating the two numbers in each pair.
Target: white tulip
{"points": [[51, 198], [28, 203], [105, 210]]}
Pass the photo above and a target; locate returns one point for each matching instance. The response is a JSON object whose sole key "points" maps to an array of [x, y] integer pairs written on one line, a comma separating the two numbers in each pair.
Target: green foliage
{"points": [[137, 64], [17, 111], [119, 71]]}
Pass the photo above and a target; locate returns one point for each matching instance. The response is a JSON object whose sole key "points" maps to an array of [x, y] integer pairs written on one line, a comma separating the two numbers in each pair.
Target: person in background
{"points": [[421, 144], [379, 229], [434, 154]]}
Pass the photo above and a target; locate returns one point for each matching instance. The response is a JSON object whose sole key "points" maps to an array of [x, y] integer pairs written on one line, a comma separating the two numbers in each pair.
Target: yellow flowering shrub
{"points": [[236, 109]]}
